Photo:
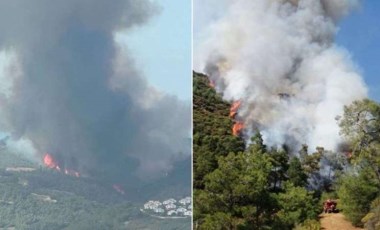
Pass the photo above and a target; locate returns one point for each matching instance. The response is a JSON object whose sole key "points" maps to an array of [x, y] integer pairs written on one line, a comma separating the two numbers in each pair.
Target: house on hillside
{"points": [[170, 206], [181, 210], [169, 201], [159, 210], [186, 200], [152, 204], [172, 212]]}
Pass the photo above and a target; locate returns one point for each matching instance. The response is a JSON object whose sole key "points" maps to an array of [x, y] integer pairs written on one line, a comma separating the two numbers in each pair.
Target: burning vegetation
{"points": [[234, 108], [238, 126], [290, 86], [299, 178], [211, 83], [50, 162], [267, 70]]}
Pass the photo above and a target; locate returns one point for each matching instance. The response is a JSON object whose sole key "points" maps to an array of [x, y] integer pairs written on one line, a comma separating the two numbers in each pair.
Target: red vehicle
{"points": [[329, 206]]}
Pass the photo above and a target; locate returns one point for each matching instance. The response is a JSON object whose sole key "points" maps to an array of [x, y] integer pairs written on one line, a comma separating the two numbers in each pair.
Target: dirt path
{"points": [[336, 221]]}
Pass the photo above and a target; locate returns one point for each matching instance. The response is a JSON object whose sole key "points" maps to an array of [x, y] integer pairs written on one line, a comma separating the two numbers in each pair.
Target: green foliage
{"points": [[218, 221], [212, 135], [296, 205], [356, 193], [239, 186], [310, 162], [243, 188], [296, 174], [280, 166], [372, 219], [309, 225], [75, 203], [257, 143], [360, 125]]}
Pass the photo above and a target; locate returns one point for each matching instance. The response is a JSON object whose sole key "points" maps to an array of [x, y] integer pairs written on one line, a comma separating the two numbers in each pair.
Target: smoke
{"points": [[68, 89], [279, 59]]}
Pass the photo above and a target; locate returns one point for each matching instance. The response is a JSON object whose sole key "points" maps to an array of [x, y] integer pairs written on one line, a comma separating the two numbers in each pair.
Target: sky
{"points": [[165, 52], [360, 34], [203, 17], [167, 59]]}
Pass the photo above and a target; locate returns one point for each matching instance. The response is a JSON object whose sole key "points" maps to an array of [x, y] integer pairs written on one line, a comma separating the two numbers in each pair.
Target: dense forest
{"points": [[36, 197], [241, 184]]}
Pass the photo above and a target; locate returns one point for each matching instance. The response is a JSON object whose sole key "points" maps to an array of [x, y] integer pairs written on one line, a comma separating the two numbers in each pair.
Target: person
{"points": [[329, 206]]}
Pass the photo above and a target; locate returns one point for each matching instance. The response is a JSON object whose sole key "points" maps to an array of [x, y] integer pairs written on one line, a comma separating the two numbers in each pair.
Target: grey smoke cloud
{"points": [[71, 91], [258, 50]]}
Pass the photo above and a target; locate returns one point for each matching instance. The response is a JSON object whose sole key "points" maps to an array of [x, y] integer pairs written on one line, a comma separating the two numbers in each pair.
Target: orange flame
{"points": [[348, 154], [234, 108], [211, 83], [50, 162], [237, 128]]}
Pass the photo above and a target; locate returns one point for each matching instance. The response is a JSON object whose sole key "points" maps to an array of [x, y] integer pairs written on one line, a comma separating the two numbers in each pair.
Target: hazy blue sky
{"points": [[162, 48], [360, 34], [165, 52]]}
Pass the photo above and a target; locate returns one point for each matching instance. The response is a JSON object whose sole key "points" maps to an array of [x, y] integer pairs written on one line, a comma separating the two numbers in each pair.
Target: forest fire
{"points": [[348, 155], [211, 83], [234, 108], [237, 128], [51, 163]]}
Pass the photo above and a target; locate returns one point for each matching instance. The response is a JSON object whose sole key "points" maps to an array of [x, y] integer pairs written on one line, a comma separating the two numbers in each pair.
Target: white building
{"points": [[159, 210], [170, 201], [152, 204], [186, 200], [181, 210], [147, 206], [172, 212], [170, 206]]}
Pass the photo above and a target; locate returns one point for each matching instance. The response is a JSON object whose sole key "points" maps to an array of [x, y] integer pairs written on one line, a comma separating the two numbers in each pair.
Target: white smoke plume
{"points": [[68, 89], [279, 58]]}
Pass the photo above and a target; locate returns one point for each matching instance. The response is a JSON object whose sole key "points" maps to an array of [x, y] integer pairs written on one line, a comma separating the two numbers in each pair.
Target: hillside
{"points": [[35, 197], [212, 129], [250, 185], [254, 186]]}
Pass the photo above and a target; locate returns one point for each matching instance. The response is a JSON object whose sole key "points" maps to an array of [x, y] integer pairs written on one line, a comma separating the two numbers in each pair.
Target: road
{"points": [[336, 221]]}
